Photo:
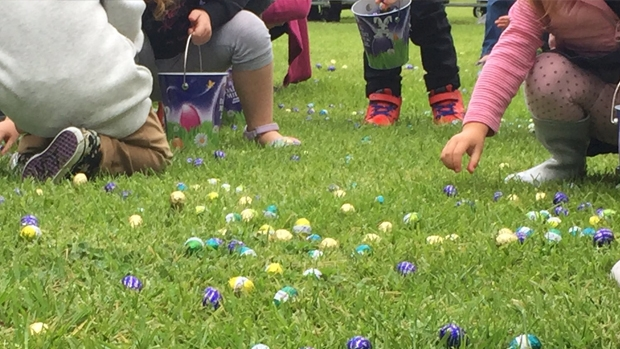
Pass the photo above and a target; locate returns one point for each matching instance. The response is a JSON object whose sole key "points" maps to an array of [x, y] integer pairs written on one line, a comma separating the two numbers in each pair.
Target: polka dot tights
{"points": [[558, 90]]}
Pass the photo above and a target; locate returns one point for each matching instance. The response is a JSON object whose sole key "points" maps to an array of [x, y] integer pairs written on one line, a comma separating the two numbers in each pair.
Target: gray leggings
{"points": [[243, 43]]}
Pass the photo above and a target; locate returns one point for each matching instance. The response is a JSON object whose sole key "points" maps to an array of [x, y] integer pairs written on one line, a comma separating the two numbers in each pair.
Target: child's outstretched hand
{"points": [[9, 134], [470, 141], [385, 4], [201, 27]]}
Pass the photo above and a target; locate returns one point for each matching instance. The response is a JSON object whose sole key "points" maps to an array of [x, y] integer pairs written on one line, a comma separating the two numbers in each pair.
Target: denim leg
{"points": [[495, 9]]}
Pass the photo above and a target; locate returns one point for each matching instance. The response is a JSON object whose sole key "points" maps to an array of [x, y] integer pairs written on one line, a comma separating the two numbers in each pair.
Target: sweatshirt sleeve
{"points": [[222, 11], [126, 17], [505, 70]]}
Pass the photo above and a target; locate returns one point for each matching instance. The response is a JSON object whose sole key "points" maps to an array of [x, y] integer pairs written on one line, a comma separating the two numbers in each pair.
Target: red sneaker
{"points": [[447, 105], [383, 109]]}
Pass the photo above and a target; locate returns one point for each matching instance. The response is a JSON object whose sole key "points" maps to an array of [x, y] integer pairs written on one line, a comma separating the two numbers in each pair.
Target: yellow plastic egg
{"points": [[372, 238], [245, 200], [79, 179], [274, 268], [281, 235], [594, 220], [213, 195], [265, 229], [38, 328], [339, 193], [241, 284], [503, 239], [434, 239], [30, 232], [347, 208], [177, 198], [135, 221]]}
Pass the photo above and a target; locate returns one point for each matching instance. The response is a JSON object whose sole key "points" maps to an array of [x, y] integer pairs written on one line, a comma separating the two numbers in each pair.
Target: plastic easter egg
{"points": [[339, 193], [260, 346], [347, 208], [281, 235], [528, 341], [411, 218], [559, 198], [540, 196], [521, 236], [226, 187], [584, 205], [603, 236], [181, 186], [177, 199], [560, 211], [553, 235], [194, 244], [589, 231], [315, 253], [245, 200], [379, 199], [302, 225], [434, 239], [451, 237], [594, 220], [274, 268], [284, 295], [328, 243], [213, 195], [450, 190], [201, 209], [265, 229], [332, 188], [525, 230], [29, 220], [213, 181], [533, 215], [574, 231], [452, 336], [314, 237], [246, 251], [109, 187], [30, 232], [214, 243], [363, 249], [219, 154], [513, 197], [132, 283], [359, 342], [554, 222], [312, 271], [241, 284], [232, 217], [545, 214], [211, 297], [405, 268], [615, 273], [38, 328], [80, 179], [504, 239], [234, 245], [385, 227], [248, 214], [372, 238]]}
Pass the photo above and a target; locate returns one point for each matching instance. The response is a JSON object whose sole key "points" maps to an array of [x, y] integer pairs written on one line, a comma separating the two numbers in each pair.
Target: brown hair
{"points": [[161, 6]]}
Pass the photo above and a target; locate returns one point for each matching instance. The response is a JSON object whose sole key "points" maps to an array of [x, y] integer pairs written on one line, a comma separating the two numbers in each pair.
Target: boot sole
{"points": [[58, 158]]}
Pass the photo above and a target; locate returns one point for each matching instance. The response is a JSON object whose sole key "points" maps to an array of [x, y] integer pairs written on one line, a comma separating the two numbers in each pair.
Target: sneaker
{"points": [[70, 149], [18, 161], [447, 105], [384, 108]]}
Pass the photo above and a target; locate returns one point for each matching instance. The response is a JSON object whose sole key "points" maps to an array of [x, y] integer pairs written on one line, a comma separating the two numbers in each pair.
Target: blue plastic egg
{"points": [[211, 297], [525, 342], [452, 336], [29, 220], [450, 190], [603, 236], [359, 342], [132, 282], [406, 268]]}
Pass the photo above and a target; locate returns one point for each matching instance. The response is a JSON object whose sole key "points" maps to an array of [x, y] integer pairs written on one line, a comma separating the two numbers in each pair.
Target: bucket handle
{"points": [[185, 85]]}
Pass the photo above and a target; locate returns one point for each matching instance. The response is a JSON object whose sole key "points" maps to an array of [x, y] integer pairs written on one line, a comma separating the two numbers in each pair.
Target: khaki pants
{"points": [[143, 151]]}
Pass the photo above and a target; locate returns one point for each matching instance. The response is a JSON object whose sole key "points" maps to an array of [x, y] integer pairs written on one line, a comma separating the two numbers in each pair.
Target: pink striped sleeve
{"points": [[506, 68]]}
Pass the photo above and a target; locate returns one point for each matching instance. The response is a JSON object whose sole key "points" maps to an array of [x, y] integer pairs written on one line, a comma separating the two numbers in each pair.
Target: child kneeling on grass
{"points": [[227, 36], [569, 90], [431, 31], [70, 84]]}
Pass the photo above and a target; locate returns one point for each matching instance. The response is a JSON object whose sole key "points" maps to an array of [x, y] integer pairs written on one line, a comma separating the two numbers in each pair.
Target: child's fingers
{"points": [[450, 156], [475, 155]]}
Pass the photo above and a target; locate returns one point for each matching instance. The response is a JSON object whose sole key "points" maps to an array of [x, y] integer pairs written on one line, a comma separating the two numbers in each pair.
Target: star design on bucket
{"points": [[210, 84]]}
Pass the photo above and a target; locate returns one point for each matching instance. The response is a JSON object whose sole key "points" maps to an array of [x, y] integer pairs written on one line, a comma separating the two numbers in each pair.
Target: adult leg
{"points": [[431, 31], [569, 106]]}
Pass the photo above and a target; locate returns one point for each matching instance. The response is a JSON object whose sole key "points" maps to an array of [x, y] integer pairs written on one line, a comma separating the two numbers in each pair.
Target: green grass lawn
{"points": [[70, 278]]}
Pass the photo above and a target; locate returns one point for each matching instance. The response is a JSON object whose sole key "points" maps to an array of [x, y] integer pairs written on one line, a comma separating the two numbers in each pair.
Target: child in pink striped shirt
{"points": [[569, 90]]}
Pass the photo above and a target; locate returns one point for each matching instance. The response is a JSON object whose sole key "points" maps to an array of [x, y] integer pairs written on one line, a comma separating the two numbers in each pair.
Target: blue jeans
{"points": [[495, 9]]}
